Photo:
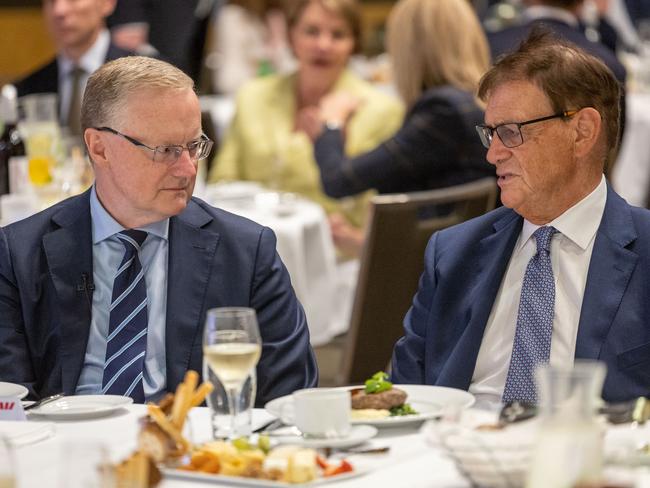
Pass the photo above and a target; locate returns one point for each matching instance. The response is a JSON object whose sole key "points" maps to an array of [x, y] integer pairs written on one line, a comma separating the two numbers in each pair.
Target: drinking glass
{"points": [[84, 463], [220, 411], [231, 349], [7, 464], [569, 449], [40, 130]]}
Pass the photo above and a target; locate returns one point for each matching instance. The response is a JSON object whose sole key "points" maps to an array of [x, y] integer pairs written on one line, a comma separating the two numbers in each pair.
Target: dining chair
{"points": [[392, 261]]}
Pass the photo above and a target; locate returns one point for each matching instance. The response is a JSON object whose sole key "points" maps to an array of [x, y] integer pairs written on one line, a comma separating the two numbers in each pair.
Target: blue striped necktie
{"points": [[126, 344], [532, 344]]}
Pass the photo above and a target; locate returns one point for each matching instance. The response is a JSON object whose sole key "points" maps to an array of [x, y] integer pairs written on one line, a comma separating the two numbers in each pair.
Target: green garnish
{"points": [[378, 383], [242, 444], [405, 409], [264, 443]]}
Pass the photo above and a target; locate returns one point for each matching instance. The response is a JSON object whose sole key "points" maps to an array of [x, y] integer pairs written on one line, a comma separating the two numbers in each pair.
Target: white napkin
{"points": [[23, 433]]}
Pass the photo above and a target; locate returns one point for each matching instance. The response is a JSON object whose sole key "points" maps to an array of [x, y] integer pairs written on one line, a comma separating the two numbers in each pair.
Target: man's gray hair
{"points": [[109, 88]]}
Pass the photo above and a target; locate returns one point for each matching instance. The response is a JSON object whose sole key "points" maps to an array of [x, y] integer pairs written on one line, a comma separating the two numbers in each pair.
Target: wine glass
{"points": [[231, 349]]}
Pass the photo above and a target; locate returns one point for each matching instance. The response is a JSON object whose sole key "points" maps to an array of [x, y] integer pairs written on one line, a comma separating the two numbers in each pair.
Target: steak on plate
{"points": [[384, 400]]}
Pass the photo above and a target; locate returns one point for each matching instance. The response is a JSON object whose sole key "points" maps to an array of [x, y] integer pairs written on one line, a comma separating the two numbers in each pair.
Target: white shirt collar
{"points": [[545, 12], [579, 223], [91, 60]]}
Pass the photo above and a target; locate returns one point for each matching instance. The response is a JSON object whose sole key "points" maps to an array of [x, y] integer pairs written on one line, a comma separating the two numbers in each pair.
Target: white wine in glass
{"points": [[231, 349]]}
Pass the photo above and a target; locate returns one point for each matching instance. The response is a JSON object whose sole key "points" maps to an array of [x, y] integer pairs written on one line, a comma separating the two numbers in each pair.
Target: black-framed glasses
{"points": [[169, 154], [510, 133]]}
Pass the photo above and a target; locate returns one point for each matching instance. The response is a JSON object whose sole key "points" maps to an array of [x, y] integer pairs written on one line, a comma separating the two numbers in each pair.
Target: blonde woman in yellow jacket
{"points": [[268, 140]]}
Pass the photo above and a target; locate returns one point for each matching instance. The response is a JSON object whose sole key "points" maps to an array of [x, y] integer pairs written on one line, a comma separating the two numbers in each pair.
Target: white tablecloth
{"points": [[410, 461], [631, 175], [304, 243]]}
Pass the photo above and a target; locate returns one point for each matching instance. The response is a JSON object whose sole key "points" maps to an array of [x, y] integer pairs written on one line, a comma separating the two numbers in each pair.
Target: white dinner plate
{"points": [[12, 390], [428, 401], [358, 435], [81, 407], [219, 479]]}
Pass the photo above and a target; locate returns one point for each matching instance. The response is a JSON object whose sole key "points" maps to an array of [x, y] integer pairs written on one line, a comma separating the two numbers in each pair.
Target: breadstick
{"points": [[140, 469], [179, 400], [166, 402], [203, 391], [191, 380], [165, 424]]}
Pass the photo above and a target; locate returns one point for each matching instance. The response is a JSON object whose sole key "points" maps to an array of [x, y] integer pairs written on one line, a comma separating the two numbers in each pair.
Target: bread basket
{"points": [[488, 457]]}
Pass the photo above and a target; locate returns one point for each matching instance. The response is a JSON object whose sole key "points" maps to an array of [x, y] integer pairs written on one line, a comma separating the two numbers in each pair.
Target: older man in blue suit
{"points": [[559, 272], [63, 325]]}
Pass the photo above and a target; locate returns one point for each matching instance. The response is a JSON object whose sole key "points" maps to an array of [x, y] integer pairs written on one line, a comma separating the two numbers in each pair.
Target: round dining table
{"points": [[413, 458], [410, 461]]}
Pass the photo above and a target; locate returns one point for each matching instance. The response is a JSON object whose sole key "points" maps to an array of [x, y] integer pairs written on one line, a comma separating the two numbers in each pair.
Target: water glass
{"points": [[7, 464], [85, 463]]}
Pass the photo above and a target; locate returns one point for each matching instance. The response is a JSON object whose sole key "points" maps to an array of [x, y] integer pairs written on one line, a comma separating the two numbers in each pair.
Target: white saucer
{"points": [[358, 434], [12, 390], [81, 407]]}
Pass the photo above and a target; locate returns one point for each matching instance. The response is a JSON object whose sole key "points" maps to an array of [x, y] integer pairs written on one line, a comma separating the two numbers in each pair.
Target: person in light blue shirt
{"points": [[107, 292]]}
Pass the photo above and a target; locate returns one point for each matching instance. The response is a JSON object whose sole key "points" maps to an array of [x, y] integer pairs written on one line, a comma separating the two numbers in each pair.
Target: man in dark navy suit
{"points": [[141, 122], [559, 272], [83, 44]]}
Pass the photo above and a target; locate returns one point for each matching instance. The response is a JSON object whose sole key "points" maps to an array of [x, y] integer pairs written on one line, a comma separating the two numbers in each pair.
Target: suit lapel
{"points": [[494, 253], [69, 254], [610, 270], [190, 260]]}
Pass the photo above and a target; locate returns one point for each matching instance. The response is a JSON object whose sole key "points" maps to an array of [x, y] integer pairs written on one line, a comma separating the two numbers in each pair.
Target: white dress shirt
{"points": [[91, 61], [571, 248]]}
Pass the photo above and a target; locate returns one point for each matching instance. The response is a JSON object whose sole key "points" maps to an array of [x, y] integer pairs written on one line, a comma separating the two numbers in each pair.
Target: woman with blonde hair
{"points": [[268, 140], [438, 53]]}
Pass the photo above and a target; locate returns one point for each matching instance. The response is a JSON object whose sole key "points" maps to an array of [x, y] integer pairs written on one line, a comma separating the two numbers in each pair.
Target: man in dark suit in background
{"points": [[175, 29], [82, 43], [62, 302], [557, 273], [560, 16]]}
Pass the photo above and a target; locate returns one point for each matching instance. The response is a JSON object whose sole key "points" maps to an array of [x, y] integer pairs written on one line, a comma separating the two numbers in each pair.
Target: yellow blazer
{"points": [[261, 144]]}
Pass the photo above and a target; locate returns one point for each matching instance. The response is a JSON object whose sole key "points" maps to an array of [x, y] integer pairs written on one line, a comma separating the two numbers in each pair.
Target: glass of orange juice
{"points": [[40, 149], [40, 130]]}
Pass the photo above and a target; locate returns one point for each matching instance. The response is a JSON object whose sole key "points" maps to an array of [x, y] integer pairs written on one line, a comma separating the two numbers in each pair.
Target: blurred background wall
{"points": [[25, 43]]}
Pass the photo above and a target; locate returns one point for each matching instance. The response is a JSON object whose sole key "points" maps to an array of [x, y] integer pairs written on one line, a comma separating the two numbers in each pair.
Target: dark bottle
{"points": [[11, 143]]}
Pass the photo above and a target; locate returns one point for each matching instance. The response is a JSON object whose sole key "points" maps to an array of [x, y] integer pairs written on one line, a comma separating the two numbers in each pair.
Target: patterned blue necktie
{"points": [[532, 344], [126, 344]]}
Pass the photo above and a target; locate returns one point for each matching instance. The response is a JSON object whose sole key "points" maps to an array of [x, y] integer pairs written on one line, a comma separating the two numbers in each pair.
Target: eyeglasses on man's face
{"points": [[510, 133], [169, 154]]}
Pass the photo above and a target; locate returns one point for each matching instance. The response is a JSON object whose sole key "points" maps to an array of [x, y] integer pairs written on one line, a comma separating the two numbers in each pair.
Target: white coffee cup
{"points": [[322, 413]]}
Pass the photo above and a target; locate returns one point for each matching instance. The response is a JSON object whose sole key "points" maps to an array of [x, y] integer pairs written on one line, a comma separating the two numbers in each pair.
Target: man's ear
{"points": [[96, 147], [588, 125]]}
